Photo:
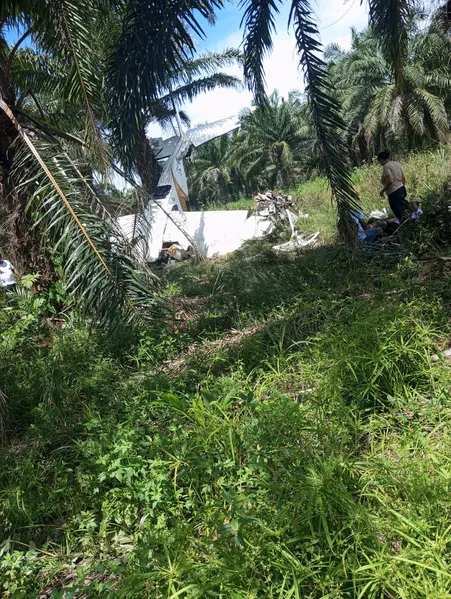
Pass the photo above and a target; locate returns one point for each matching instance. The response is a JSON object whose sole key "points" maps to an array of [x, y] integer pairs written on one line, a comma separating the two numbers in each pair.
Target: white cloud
{"points": [[282, 73], [336, 21]]}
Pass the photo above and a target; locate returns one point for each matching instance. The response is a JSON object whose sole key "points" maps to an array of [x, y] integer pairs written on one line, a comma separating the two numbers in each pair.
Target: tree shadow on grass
{"points": [[374, 318], [255, 283]]}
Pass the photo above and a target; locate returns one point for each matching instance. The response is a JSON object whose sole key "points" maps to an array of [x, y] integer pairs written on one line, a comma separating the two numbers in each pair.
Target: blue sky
{"points": [[335, 19], [227, 23], [12, 35]]}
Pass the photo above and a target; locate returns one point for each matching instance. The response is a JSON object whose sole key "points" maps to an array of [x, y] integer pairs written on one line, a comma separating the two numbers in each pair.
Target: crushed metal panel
{"points": [[214, 233], [165, 148], [174, 175], [182, 196], [223, 231]]}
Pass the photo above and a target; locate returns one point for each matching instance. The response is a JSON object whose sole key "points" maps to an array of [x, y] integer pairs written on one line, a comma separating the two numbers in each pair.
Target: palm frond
{"points": [[97, 266], [415, 75], [259, 23], [33, 70], [415, 114], [437, 112], [379, 111], [256, 167], [325, 110], [199, 86], [390, 20], [333, 52], [439, 79], [433, 46], [208, 64], [162, 112], [395, 114], [66, 29]]}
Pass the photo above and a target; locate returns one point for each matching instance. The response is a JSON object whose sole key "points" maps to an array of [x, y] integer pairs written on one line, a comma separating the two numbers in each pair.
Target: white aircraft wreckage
{"points": [[167, 224]]}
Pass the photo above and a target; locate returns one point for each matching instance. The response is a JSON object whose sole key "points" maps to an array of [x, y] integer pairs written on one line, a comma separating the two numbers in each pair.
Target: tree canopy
{"points": [[404, 105], [79, 98]]}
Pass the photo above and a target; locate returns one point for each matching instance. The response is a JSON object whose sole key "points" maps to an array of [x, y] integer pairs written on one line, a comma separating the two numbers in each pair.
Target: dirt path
{"points": [[207, 349]]}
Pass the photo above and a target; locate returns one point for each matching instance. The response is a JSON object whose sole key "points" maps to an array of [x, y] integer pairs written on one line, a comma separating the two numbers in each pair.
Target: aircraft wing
{"points": [[203, 133], [198, 136]]}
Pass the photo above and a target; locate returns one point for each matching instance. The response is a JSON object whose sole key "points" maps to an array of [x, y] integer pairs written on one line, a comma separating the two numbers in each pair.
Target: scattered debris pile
{"points": [[271, 203], [297, 243], [172, 253], [276, 207]]}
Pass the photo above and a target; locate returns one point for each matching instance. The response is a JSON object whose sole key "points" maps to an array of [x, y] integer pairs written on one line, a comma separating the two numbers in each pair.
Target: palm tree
{"points": [[212, 176], [356, 75], [40, 24], [380, 112], [432, 49], [273, 143]]}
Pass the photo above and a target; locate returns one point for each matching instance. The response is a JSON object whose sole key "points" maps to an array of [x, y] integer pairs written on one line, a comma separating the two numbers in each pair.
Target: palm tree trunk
{"points": [[19, 242], [147, 165], [7, 131], [285, 177], [6, 90]]}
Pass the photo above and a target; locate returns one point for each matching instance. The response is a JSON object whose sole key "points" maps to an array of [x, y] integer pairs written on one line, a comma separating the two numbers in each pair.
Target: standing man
{"points": [[8, 275], [394, 184]]}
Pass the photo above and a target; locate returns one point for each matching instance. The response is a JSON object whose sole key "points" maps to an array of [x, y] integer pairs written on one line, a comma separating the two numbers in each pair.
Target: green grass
{"points": [[424, 172], [242, 204], [288, 435]]}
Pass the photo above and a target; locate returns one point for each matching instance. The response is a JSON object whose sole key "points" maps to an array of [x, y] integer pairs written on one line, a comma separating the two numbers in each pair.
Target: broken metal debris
{"points": [[277, 207], [277, 204], [297, 243], [172, 253]]}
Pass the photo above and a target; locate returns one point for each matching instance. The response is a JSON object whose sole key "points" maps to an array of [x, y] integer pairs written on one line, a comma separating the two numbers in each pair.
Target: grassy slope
{"points": [[306, 456], [423, 172]]}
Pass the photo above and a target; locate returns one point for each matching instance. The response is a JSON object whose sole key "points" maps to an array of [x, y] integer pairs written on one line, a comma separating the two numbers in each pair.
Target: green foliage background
{"points": [[285, 436]]}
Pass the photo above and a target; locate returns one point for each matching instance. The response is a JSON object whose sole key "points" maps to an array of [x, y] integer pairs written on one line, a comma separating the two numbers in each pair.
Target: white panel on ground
{"points": [[213, 232]]}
